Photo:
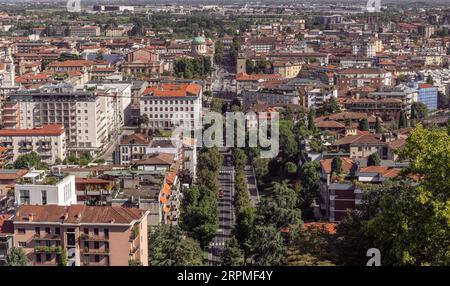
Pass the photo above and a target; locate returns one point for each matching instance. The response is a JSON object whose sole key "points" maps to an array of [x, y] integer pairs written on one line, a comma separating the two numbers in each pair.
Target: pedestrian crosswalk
{"points": [[217, 244]]}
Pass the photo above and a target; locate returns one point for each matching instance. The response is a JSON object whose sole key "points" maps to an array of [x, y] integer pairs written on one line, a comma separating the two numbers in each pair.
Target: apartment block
{"points": [[166, 102], [38, 188], [89, 118], [48, 141], [89, 235]]}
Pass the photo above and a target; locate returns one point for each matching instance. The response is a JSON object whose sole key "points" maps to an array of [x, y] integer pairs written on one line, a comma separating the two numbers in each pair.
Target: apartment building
{"points": [[361, 145], [89, 118], [287, 69], [272, 97], [169, 101], [38, 188], [89, 235], [48, 141], [84, 31], [348, 79], [6, 236]]}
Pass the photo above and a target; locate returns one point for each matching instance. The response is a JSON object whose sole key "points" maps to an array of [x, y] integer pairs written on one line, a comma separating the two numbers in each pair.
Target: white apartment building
{"points": [[36, 188], [48, 141], [318, 96], [90, 119], [165, 102]]}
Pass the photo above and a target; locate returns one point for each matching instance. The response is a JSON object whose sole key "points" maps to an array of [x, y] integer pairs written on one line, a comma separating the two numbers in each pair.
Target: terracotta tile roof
{"points": [[78, 214], [174, 89], [256, 77], [330, 228], [45, 130], [157, 159], [8, 175], [387, 172], [425, 85], [347, 165], [71, 63], [329, 124], [397, 144], [362, 71], [135, 138], [358, 139]]}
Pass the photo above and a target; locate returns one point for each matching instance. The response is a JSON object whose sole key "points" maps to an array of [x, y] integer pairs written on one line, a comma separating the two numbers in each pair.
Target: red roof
{"points": [[174, 89], [347, 165], [330, 228], [45, 130], [425, 85]]}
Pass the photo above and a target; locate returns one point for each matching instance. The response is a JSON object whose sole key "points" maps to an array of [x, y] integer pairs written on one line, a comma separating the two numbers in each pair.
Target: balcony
{"points": [[48, 249], [87, 237], [86, 250], [47, 237]]}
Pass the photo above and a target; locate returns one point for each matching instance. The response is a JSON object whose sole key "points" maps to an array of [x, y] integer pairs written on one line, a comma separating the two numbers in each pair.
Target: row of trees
{"points": [[199, 67]]}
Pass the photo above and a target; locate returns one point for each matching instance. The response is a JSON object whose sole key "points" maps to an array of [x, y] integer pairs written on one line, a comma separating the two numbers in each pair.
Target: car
{"points": [[221, 194]]}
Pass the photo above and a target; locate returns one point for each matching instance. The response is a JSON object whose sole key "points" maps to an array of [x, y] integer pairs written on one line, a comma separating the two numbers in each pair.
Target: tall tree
{"points": [[169, 247], [378, 127], [199, 216], [402, 121], [232, 254], [336, 166], [239, 158], [364, 124], [309, 178], [268, 246], [243, 230], [29, 161], [311, 119], [419, 110]]}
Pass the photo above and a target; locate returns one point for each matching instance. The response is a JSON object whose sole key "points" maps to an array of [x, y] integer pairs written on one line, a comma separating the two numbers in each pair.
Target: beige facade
{"points": [[86, 242]]}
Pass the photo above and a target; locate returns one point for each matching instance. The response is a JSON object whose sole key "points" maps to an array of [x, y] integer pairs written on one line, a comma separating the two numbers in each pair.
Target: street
{"points": [[226, 213]]}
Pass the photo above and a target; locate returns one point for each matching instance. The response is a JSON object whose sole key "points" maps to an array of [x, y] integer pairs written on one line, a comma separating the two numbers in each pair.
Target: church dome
{"points": [[198, 41]]}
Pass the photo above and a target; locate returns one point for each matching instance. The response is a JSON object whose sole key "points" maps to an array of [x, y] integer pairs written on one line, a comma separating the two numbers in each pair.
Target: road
{"points": [[226, 212], [252, 186]]}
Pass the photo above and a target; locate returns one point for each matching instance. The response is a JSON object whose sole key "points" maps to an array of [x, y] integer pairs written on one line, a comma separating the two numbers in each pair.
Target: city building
{"points": [[39, 188], [48, 141], [89, 235], [167, 102]]}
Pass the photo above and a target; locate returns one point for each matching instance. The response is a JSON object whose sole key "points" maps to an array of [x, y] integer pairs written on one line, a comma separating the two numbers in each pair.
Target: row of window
{"points": [[169, 109], [170, 116], [153, 102]]}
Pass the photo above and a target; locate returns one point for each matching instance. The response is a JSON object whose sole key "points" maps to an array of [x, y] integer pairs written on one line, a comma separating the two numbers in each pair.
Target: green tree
{"points": [[311, 119], [419, 110], [29, 161], [378, 127], [402, 121], [364, 124], [232, 254], [17, 257], [330, 107], [239, 158], [241, 195], [288, 139], [309, 177], [219, 52], [243, 229], [169, 247], [268, 246], [62, 257], [336, 165], [199, 216], [374, 160], [133, 262], [290, 169], [430, 80]]}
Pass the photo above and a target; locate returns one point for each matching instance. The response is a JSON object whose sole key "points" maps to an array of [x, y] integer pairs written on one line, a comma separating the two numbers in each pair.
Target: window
{"points": [[22, 244], [48, 257], [96, 245], [24, 198], [95, 231], [38, 258], [44, 197], [47, 230], [97, 258], [21, 231], [106, 232], [86, 244], [37, 230]]}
